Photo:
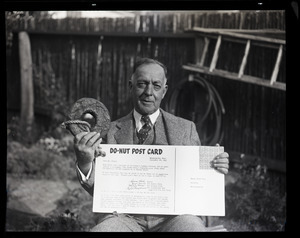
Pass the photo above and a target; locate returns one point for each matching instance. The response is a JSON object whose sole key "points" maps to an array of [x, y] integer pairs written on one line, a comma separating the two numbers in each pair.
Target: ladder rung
{"points": [[205, 49], [276, 67], [216, 55], [244, 61]]}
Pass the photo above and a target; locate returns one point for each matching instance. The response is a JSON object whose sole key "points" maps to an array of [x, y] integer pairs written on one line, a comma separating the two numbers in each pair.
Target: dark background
{"points": [[68, 65]]}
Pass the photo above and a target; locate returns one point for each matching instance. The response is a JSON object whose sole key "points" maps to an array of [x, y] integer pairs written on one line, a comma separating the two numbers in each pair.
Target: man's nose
{"points": [[149, 90]]}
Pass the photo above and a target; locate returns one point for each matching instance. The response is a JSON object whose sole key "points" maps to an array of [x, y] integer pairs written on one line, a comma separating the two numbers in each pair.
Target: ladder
{"points": [[248, 37]]}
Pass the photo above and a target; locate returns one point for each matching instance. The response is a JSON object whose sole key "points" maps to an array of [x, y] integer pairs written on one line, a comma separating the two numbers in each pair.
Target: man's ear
{"points": [[165, 90], [130, 84]]}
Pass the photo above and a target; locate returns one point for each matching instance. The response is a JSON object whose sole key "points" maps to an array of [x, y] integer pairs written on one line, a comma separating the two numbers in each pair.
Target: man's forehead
{"points": [[142, 61], [151, 69]]}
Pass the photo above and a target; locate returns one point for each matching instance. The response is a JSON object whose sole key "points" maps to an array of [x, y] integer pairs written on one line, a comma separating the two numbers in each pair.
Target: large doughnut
{"points": [[88, 114]]}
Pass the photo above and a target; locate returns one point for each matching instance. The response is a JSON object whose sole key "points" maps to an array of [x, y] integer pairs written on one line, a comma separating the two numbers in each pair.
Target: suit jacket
{"points": [[169, 130]]}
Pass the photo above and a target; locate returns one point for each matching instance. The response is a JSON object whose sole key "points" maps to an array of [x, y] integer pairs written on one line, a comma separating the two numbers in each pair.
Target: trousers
{"points": [[139, 223]]}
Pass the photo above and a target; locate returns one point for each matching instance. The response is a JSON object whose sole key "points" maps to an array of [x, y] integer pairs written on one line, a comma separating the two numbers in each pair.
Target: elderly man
{"points": [[150, 125]]}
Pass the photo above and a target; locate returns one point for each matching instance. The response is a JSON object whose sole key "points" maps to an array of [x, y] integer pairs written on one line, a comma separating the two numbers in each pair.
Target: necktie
{"points": [[143, 132]]}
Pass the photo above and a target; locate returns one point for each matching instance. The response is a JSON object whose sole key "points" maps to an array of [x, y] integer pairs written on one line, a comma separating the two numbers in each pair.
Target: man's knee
{"points": [[116, 223], [184, 223]]}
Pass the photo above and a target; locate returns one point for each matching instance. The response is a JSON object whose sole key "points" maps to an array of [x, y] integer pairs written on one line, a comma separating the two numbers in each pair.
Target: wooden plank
{"points": [[86, 72], [234, 76], [276, 67], [77, 70], [73, 74], [238, 40], [27, 87], [205, 49], [275, 33], [216, 54], [199, 46], [237, 35], [120, 34], [244, 61]]}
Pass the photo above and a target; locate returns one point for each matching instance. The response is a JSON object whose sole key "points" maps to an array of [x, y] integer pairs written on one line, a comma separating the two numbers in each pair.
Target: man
{"points": [[148, 87]]}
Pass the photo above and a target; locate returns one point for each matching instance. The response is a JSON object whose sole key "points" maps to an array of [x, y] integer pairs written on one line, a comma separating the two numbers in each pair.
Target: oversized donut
{"points": [[88, 114]]}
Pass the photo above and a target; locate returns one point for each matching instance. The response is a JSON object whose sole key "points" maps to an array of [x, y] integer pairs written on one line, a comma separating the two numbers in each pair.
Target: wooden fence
{"points": [[74, 58], [157, 22]]}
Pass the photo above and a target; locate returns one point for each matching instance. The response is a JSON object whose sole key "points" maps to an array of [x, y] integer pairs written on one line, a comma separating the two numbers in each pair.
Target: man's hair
{"points": [[141, 61]]}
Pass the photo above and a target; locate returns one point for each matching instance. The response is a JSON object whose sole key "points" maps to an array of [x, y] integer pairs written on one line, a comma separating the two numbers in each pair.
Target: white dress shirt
{"points": [[137, 118], [83, 177]]}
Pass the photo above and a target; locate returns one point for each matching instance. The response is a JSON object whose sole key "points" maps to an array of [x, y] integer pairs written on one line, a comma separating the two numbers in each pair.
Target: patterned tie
{"points": [[143, 132]]}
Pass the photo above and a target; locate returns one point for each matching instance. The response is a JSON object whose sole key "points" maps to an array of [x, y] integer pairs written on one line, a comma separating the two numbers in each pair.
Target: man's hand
{"points": [[85, 145], [221, 163]]}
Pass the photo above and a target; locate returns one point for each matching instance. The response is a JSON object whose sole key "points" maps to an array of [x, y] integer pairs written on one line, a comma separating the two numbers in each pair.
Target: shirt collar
{"points": [[137, 117]]}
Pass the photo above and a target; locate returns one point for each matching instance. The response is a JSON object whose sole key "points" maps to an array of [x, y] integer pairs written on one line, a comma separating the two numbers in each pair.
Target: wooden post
{"points": [[27, 96]]}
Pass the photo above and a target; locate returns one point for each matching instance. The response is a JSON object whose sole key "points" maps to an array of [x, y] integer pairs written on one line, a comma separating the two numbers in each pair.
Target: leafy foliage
{"points": [[41, 160], [67, 221], [256, 200]]}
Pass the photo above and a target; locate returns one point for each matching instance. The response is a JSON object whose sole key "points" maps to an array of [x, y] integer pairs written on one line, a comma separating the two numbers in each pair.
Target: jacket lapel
{"points": [[174, 133], [126, 129], [160, 132]]}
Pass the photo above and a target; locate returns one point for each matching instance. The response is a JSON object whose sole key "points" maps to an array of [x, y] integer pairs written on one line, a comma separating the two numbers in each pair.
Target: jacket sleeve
{"points": [[194, 137]]}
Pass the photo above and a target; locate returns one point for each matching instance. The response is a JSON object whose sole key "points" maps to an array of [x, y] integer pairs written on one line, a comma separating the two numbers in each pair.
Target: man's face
{"points": [[148, 87]]}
